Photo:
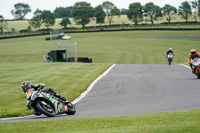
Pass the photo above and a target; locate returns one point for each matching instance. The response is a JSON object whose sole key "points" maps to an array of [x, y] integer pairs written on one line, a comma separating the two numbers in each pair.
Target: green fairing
{"points": [[45, 94], [59, 107], [51, 98], [32, 94]]}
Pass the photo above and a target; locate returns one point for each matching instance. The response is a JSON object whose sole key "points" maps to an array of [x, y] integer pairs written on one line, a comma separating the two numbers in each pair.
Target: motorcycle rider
{"points": [[27, 86], [169, 51], [192, 55]]}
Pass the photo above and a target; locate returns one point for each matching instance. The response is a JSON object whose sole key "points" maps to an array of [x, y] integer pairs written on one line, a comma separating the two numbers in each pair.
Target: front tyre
{"points": [[198, 73], [45, 108], [170, 61], [71, 109]]}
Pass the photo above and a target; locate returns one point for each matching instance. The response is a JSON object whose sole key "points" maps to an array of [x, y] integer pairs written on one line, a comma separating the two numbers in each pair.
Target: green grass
{"points": [[164, 122], [23, 24], [21, 59]]}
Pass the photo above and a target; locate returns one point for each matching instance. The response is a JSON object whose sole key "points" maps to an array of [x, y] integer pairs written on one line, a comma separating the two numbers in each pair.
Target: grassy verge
{"points": [[165, 122], [21, 59], [70, 80]]}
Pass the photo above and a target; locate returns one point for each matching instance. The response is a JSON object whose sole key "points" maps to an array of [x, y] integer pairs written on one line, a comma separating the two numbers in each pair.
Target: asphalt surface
{"points": [[136, 89]]}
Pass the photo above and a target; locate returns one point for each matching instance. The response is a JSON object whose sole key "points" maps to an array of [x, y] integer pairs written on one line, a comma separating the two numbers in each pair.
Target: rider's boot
{"points": [[35, 112], [60, 97], [193, 71]]}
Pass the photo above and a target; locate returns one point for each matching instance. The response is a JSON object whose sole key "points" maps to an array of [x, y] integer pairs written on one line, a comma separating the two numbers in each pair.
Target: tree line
{"points": [[83, 13]]}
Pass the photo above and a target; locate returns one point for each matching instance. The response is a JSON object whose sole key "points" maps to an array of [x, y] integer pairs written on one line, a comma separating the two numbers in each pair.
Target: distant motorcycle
{"points": [[196, 67], [45, 103], [170, 58]]}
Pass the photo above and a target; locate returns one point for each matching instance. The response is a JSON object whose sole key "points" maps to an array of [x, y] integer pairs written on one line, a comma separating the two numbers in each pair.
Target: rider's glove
{"points": [[49, 90]]}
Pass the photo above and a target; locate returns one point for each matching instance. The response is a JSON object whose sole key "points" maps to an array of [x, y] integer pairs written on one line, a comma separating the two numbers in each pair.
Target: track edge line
{"points": [[91, 85]]}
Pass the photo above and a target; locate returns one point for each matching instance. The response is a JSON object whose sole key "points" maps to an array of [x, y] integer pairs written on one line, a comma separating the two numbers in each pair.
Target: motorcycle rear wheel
{"points": [[45, 109]]}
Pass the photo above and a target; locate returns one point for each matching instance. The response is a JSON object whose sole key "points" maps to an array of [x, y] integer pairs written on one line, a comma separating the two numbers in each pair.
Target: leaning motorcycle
{"points": [[170, 58], [196, 67], [45, 103]]}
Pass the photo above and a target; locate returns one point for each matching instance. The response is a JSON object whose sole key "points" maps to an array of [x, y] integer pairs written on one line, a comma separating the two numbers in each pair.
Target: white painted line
{"points": [[91, 85], [16, 118], [184, 65]]}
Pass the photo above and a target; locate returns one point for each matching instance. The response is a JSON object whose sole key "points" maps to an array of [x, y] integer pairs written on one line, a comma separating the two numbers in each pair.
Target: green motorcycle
{"points": [[45, 103]]}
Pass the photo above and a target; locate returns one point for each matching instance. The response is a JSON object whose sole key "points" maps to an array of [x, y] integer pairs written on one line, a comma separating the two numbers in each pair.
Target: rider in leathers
{"points": [[193, 55], [27, 86], [169, 51]]}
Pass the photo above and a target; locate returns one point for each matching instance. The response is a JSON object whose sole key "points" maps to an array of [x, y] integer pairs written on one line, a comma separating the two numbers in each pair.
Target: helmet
{"points": [[170, 48], [193, 51], [26, 85]]}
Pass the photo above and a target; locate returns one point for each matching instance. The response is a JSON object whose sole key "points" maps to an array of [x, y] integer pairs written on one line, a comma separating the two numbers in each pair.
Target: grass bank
{"points": [[21, 59], [164, 122]]}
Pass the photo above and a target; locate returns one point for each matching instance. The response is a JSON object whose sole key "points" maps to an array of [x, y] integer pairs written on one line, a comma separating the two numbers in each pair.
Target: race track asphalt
{"points": [[136, 89]]}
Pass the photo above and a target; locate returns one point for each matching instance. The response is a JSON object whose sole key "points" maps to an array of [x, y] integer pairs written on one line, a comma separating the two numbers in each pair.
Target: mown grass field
{"points": [[23, 24], [21, 59]]}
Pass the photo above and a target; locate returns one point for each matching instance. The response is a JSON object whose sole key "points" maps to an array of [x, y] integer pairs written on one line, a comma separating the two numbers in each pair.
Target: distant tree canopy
{"points": [[185, 10], [42, 17], [135, 12], [168, 11], [123, 11], [36, 21], [152, 11], [61, 12], [65, 21], [21, 10], [196, 7], [99, 14], [3, 24], [82, 12], [48, 18], [110, 10]]}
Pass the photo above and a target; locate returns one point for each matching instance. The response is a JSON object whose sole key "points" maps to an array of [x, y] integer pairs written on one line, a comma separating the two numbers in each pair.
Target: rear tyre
{"points": [[45, 109], [71, 109]]}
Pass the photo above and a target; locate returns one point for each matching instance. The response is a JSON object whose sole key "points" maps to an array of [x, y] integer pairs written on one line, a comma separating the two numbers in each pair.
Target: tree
{"points": [[99, 14], [3, 24], [36, 21], [196, 7], [65, 21], [123, 11], [135, 12], [21, 10], [199, 7], [168, 11], [61, 12], [152, 11], [185, 10], [82, 12], [48, 18], [110, 10]]}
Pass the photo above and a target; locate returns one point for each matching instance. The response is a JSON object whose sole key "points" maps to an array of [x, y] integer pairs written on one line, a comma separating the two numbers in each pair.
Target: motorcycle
{"points": [[45, 103], [169, 58], [196, 67]]}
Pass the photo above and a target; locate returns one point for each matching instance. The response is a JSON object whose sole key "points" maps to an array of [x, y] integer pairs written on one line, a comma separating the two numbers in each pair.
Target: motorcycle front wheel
{"points": [[198, 73], [46, 109], [71, 109]]}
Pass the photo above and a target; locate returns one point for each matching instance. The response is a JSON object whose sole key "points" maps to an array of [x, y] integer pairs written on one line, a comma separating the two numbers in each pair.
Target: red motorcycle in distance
{"points": [[170, 57], [196, 67]]}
